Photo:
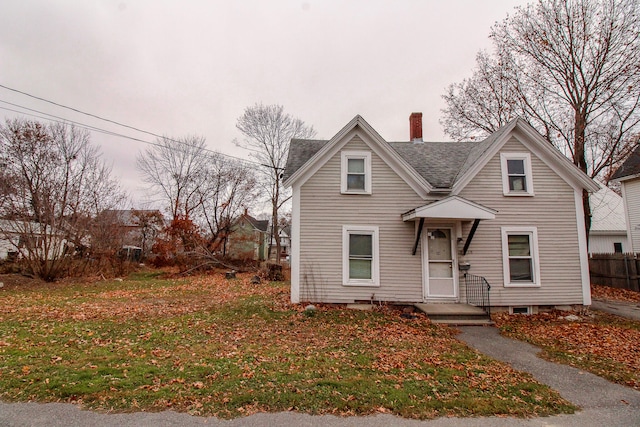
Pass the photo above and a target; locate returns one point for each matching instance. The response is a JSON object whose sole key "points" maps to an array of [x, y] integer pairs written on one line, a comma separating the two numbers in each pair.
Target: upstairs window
{"points": [[517, 179], [356, 172]]}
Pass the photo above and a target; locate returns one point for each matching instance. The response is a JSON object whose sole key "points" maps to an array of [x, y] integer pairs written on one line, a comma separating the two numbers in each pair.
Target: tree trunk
{"points": [[579, 159]]}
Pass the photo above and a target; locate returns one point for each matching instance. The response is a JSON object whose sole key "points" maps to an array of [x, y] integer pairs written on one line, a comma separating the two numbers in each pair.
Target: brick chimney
{"points": [[415, 127]]}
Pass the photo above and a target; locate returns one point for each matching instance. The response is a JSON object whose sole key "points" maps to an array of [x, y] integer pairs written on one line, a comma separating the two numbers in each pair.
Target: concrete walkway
{"points": [[630, 310], [603, 402]]}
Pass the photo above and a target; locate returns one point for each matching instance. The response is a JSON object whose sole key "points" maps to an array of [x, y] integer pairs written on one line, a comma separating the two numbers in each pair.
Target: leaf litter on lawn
{"points": [[601, 343], [207, 345]]}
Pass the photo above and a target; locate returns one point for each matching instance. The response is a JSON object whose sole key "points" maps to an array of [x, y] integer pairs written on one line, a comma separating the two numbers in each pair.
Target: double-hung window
{"points": [[517, 179], [356, 172], [520, 256], [360, 259]]}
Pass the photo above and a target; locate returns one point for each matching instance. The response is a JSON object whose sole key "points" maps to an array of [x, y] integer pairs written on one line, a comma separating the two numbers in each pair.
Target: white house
{"points": [[629, 177], [608, 233]]}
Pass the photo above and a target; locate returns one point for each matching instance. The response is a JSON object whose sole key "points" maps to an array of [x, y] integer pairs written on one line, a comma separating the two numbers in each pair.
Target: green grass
{"points": [[210, 346]]}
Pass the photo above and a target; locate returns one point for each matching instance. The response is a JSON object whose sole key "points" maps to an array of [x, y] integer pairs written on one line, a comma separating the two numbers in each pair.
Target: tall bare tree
{"points": [[56, 184], [175, 170], [267, 131], [231, 187], [569, 67]]}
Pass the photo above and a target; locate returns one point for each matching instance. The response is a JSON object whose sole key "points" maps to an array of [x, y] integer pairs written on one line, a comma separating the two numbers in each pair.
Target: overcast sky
{"points": [[180, 68]]}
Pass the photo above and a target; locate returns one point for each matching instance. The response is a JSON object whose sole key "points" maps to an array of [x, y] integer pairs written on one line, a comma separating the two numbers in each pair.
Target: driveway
{"points": [[630, 310], [603, 403]]}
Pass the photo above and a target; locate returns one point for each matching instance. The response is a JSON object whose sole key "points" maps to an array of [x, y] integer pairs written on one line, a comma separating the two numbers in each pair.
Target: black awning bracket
{"points": [[474, 227], [415, 245]]}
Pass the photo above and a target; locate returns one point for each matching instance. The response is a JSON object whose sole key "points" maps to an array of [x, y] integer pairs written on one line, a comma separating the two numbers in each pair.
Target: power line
{"points": [[89, 127]]}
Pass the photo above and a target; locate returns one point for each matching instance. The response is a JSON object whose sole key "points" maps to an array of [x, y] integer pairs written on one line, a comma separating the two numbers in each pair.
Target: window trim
{"points": [[374, 231], [535, 257], [526, 158], [345, 156]]}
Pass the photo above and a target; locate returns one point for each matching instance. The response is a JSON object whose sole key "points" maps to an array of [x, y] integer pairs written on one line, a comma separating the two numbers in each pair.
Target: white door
{"points": [[441, 280]]}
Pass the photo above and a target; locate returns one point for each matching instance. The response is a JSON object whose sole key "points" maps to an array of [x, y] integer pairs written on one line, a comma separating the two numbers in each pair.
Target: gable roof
{"points": [[260, 225], [607, 212], [438, 166], [305, 158], [630, 168]]}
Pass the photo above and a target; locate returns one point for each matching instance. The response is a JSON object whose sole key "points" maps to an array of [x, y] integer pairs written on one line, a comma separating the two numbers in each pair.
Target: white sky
{"points": [[180, 68]]}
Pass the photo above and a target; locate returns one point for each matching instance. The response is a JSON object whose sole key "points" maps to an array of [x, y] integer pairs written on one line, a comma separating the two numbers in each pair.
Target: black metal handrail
{"points": [[478, 291]]}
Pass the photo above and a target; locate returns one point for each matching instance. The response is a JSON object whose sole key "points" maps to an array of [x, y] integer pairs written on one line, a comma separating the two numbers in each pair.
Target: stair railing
{"points": [[478, 291]]}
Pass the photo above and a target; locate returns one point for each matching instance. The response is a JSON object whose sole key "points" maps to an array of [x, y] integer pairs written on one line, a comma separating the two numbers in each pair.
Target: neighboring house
{"points": [[402, 221], [248, 239], [629, 177], [285, 241], [136, 228], [608, 233], [21, 239]]}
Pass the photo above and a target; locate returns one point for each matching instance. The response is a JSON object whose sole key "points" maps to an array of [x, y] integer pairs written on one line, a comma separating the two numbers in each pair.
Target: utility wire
{"points": [[111, 121]]}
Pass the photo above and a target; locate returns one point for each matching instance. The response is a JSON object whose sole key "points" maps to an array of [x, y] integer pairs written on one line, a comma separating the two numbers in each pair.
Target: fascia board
{"points": [[453, 207], [321, 153], [626, 178], [480, 163], [541, 148], [358, 126], [558, 162]]}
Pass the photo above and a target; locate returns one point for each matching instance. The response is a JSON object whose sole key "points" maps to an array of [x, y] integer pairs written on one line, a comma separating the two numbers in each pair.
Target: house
{"points": [[608, 233], [418, 221], [629, 177], [248, 239], [25, 239], [134, 229]]}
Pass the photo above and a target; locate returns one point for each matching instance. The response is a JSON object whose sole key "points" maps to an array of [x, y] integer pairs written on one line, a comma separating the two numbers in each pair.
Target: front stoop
{"points": [[455, 314]]}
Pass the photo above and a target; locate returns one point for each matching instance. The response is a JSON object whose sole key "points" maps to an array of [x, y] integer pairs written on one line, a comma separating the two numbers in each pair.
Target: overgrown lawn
{"points": [[209, 346]]}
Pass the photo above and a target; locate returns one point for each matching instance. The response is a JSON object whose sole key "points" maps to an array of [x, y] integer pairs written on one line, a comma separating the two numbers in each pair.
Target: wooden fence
{"points": [[616, 270]]}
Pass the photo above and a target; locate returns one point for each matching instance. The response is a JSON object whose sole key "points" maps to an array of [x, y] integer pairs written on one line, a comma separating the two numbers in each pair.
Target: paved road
{"points": [[630, 310], [603, 403]]}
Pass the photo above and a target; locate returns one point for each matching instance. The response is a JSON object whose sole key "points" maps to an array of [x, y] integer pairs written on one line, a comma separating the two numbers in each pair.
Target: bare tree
{"points": [[56, 183], [230, 187], [267, 131], [571, 68], [175, 170]]}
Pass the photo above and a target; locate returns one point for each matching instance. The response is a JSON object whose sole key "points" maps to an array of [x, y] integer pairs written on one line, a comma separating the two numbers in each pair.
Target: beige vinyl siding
{"points": [[631, 194], [552, 210], [323, 212]]}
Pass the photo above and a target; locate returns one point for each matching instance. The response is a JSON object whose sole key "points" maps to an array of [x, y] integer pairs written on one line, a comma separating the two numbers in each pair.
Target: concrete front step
{"points": [[463, 322], [455, 314]]}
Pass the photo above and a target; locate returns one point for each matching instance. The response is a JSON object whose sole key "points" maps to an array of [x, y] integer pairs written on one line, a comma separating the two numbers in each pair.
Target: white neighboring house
{"points": [[17, 236], [629, 177], [608, 232]]}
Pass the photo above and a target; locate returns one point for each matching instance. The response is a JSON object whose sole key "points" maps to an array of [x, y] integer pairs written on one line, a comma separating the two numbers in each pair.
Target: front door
{"points": [[441, 280]]}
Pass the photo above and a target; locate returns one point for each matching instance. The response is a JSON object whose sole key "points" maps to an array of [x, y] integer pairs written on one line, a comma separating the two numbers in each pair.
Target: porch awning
{"points": [[452, 207]]}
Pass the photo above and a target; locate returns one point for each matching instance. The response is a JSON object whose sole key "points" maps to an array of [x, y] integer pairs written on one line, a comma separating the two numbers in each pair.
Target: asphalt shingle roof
{"points": [[631, 166], [440, 163]]}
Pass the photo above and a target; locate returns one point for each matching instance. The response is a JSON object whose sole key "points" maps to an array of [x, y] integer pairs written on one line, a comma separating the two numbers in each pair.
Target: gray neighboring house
{"points": [[608, 233], [403, 221], [629, 177]]}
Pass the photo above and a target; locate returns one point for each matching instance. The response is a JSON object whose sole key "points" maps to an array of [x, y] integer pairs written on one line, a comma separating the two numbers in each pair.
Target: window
{"points": [[617, 247], [516, 174], [360, 265], [356, 172], [520, 256]]}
